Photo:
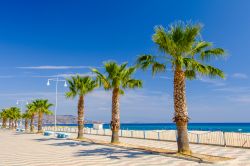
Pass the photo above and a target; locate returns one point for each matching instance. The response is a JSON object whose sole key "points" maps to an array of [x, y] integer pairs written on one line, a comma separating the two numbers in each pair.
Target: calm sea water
{"points": [[229, 127]]}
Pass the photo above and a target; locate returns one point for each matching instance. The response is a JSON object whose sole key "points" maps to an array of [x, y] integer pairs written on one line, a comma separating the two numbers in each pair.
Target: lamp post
{"points": [[56, 80], [21, 102]]}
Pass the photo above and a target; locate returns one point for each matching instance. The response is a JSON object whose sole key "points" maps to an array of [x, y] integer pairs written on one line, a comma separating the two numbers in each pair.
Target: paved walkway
{"points": [[37, 150], [242, 155]]}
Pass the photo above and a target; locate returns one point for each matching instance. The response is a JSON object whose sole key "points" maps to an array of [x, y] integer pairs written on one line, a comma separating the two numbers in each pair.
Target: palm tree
{"points": [[14, 114], [186, 53], [4, 117], [26, 116], [17, 115], [31, 112], [41, 107], [80, 86], [117, 78], [9, 117]]}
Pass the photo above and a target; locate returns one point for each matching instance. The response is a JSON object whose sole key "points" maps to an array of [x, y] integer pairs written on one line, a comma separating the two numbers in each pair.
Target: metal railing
{"points": [[234, 139]]}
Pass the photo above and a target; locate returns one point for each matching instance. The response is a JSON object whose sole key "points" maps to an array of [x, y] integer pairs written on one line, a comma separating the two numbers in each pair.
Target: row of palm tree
{"points": [[38, 107], [12, 115], [181, 49]]}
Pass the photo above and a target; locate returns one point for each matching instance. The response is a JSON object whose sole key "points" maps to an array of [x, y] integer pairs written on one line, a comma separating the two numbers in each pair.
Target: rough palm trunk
{"points": [[12, 124], [40, 122], [26, 124], [181, 114], [32, 123], [15, 124], [4, 123], [80, 117], [115, 123], [9, 123]]}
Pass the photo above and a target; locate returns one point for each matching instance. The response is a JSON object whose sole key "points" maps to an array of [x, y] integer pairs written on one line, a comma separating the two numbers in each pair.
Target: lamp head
{"points": [[48, 83], [65, 84]]}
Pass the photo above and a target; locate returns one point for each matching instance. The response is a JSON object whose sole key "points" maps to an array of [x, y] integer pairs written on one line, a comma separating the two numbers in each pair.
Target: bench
{"points": [[63, 135], [48, 133]]}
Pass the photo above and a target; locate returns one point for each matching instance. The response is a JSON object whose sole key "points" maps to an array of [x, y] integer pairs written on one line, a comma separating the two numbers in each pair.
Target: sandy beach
{"points": [[37, 150]]}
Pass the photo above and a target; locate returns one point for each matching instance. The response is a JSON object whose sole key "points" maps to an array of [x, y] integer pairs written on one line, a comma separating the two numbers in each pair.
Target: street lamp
{"points": [[57, 80], [21, 103]]}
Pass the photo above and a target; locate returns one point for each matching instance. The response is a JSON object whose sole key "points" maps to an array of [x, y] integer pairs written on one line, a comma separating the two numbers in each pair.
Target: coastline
{"points": [[225, 127]]}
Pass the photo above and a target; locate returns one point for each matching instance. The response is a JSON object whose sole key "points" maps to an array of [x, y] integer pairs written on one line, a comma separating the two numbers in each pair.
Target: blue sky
{"points": [[42, 39]]}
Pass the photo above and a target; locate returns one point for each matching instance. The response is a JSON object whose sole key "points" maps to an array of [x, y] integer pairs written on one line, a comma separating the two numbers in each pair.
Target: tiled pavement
{"points": [[242, 156], [37, 150]]}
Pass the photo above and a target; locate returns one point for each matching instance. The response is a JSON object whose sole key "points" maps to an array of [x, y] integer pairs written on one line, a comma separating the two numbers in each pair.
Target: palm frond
{"points": [[199, 46], [215, 52]]}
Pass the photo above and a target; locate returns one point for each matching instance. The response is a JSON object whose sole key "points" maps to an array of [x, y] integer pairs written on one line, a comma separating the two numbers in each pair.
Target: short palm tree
{"points": [[4, 117], [9, 117], [26, 116], [17, 115], [117, 78], [186, 54], [14, 115], [41, 107], [80, 86], [31, 112]]}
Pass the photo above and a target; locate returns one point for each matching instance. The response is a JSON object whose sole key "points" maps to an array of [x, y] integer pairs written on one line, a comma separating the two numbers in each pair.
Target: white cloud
{"points": [[65, 75], [55, 67], [234, 89], [239, 76], [7, 76], [215, 82], [165, 78], [240, 99]]}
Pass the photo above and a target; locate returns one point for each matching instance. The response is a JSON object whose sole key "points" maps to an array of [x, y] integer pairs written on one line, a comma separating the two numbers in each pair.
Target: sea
{"points": [[227, 127]]}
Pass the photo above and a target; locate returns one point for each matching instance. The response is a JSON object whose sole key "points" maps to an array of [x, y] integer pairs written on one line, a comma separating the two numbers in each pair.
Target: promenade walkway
{"points": [[37, 150]]}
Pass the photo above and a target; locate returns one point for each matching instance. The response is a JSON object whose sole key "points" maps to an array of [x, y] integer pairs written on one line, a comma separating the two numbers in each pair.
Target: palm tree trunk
{"points": [[26, 124], [40, 122], [12, 124], [4, 123], [115, 123], [15, 124], [181, 114], [80, 117], [32, 123], [9, 123]]}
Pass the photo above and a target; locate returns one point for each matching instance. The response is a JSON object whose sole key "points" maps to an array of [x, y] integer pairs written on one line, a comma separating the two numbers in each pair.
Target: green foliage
{"points": [[40, 106], [12, 113], [183, 50], [80, 86], [117, 76], [4, 113]]}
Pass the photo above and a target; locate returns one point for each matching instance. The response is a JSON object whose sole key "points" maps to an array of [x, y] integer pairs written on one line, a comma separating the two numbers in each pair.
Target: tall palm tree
{"points": [[80, 86], [186, 54], [31, 112], [117, 78], [41, 107], [4, 117]]}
